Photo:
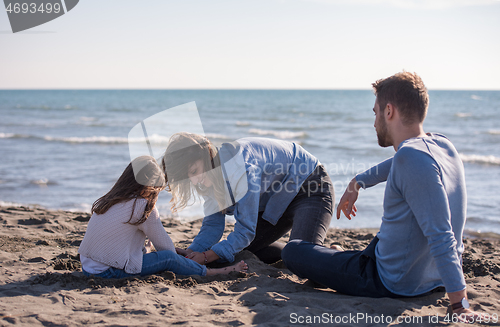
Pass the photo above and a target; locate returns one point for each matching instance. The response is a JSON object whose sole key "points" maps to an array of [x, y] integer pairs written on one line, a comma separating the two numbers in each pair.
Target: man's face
{"points": [[381, 127]]}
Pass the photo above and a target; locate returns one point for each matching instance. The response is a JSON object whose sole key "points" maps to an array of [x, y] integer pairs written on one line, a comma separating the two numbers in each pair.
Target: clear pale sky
{"points": [[256, 44]]}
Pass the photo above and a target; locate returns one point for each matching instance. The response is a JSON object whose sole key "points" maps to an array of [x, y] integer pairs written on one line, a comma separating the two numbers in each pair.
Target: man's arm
{"points": [[375, 175], [368, 178]]}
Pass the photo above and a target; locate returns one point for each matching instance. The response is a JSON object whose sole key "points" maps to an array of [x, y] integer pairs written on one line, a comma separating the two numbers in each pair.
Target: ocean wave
{"points": [[482, 227], [90, 139], [485, 221], [11, 204], [78, 207], [85, 118], [45, 107], [217, 136], [475, 97], [463, 114], [14, 136], [154, 139], [242, 123], [42, 182], [494, 132], [486, 160], [278, 134]]}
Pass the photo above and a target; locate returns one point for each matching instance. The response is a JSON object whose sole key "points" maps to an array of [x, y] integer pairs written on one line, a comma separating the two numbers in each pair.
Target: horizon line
{"points": [[230, 89]]}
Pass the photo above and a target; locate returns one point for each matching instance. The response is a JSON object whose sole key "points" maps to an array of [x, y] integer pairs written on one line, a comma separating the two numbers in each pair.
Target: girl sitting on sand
{"points": [[114, 241]]}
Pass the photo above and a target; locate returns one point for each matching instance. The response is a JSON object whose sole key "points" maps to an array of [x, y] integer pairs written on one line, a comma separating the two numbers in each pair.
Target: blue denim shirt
{"points": [[266, 180], [420, 240]]}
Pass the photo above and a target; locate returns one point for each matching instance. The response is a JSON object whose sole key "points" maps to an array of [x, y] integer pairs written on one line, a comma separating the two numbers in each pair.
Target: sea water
{"points": [[63, 149]]}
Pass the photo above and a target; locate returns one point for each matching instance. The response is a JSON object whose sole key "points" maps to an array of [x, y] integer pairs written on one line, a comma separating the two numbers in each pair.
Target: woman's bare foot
{"points": [[336, 247], [240, 266]]}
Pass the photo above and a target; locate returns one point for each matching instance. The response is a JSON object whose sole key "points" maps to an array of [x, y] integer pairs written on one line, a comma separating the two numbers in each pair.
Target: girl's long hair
{"points": [[147, 182], [185, 149]]}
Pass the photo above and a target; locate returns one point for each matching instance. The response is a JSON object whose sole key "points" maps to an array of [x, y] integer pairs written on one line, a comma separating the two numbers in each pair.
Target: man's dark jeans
{"points": [[349, 272]]}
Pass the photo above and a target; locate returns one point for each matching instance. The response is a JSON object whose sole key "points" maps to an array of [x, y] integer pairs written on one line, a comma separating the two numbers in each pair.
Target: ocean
{"points": [[63, 149]]}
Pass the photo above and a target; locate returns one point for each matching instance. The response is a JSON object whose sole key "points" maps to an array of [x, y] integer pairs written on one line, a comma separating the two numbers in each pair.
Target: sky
{"points": [[255, 44]]}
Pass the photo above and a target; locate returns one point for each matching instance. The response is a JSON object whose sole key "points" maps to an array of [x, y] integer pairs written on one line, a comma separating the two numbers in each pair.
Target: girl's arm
{"points": [[154, 230]]}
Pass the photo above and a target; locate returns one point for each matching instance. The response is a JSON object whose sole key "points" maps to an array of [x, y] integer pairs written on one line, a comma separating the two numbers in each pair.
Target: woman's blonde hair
{"points": [[184, 150]]}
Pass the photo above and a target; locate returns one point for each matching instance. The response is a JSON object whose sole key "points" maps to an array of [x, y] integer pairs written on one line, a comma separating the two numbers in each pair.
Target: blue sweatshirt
{"points": [[420, 245], [265, 179]]}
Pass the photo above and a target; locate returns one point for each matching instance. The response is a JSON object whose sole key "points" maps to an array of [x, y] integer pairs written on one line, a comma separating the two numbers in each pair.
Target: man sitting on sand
{"points": [[419, 246]]}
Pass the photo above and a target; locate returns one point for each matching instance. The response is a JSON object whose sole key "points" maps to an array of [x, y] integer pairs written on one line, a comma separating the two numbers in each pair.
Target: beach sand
{"points": [[42, 284]]}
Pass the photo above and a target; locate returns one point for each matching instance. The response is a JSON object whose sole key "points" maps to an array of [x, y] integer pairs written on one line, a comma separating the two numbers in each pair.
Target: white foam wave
{"points": [[11, 204], [90, 139], [79, 207], [154, 139], [43, 182], [74, 139], [494, 132], [217, 136], [475, 97], [14, 136], [278, 134], [474, 158], [84, 118], [242, 123], [463, 114]]}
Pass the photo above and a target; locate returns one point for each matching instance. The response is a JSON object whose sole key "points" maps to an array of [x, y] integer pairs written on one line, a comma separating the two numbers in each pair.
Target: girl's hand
{"points": [[149, 246], [197, 257]]}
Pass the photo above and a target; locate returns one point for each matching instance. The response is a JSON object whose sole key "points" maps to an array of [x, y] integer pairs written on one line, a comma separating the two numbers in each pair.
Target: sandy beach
{"points": [[42, 285]]}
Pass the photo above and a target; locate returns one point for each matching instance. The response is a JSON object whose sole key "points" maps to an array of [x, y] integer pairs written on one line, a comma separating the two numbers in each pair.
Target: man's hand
{"points": [[462, 314], [346, 203], [469, 316]]}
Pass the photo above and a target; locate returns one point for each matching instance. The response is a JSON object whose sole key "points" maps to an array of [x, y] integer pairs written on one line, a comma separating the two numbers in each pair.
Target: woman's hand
{"points": [[183, 252], [203, 257]]}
